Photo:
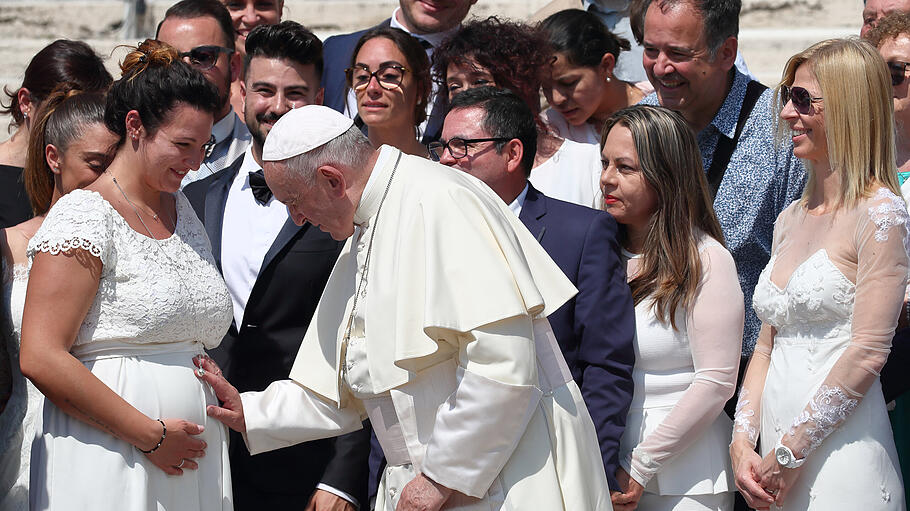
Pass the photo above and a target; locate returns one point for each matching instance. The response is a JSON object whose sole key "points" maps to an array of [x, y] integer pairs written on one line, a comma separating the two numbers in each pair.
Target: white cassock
{"points": [[450, 354]]}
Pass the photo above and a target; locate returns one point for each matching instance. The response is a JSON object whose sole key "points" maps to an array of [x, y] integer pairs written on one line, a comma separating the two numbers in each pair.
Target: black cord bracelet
{"points": [[160, 441]]}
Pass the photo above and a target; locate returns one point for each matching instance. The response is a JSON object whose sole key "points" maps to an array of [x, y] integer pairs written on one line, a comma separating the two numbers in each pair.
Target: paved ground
{"points": [[770, 30]]}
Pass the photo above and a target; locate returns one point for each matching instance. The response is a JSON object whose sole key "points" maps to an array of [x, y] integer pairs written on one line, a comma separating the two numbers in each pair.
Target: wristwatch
{"points": [[785, 456]]}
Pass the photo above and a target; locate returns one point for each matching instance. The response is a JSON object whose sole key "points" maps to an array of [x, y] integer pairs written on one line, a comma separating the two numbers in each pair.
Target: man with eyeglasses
{"points": [[491, 134], [202, 31], [430, 22], [690, 48]]}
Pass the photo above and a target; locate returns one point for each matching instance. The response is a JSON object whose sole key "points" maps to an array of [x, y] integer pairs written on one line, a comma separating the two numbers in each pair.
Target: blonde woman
{"points": [[688, 315], [829, 298]]}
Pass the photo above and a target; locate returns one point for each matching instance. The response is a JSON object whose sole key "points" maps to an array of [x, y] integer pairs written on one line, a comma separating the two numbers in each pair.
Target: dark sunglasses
{"points": [[898, 72], [204, 58], [800, 97]]}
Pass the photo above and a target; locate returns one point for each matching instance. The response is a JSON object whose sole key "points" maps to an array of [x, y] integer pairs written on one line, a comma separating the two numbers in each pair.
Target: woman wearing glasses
{"points": [[122, 293], [390, 76], [829, 298], [510, 55]]}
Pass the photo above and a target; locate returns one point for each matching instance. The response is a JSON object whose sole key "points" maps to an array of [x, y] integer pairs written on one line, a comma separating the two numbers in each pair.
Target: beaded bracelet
{"points": [[160, 441]]}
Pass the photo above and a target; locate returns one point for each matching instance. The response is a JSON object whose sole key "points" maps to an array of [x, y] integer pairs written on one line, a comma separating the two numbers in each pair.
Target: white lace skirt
{"points": [[77, 466], [854, 468]]}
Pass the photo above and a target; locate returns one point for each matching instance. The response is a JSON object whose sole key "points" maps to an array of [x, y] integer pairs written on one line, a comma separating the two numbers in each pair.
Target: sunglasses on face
{"points": [[800, 97], [204, 58], [898, 72], [389, 76]]}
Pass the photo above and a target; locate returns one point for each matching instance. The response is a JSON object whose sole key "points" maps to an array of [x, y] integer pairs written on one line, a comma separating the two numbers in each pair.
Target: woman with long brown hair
{"points": [[688, 315], [69, 148], [123, 292]]}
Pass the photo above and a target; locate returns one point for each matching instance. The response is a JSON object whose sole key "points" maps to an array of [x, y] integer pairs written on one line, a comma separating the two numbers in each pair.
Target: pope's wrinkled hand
{"points": [[230, 413], [423, 494]]}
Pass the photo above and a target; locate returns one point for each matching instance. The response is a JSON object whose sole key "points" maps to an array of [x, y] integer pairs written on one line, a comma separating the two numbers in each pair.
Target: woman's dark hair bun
{"points": [[150, 52]]}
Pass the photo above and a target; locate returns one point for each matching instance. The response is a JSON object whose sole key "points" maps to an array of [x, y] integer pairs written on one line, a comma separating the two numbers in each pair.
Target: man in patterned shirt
{"points": [[690, 48]]}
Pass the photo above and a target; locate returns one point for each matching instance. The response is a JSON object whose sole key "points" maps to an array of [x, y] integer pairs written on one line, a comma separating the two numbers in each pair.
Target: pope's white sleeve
{"points": [[479, 426], [287, 413]]}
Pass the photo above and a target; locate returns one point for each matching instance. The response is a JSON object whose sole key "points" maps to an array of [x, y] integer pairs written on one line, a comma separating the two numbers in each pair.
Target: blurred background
{"points": [[770, 30]]}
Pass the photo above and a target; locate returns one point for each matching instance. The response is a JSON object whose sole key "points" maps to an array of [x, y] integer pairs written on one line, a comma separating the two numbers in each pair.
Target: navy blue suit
{"points": [[336, 53], [595, 329]]}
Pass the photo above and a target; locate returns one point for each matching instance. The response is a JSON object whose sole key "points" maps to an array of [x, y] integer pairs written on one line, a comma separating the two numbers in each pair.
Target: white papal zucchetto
{"points": [[303, 129]]}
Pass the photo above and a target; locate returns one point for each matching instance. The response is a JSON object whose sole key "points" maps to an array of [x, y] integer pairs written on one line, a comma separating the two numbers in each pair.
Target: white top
{"points": [[676, 431], [232, 138], [151, 291], [22, 416], [857, 306], [247, 233], [572, 174]]}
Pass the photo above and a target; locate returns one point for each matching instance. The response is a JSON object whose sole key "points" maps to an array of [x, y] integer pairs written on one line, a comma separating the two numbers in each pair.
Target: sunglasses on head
{"points": [[204, 58], [898, 72], [800, 97]]}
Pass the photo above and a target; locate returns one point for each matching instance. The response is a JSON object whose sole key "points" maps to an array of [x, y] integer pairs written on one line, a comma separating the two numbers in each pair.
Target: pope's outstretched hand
{"points": [[230, 413]]}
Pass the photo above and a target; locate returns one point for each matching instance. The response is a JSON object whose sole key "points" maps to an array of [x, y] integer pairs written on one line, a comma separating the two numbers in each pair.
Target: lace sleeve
{"points": [[715, 330], [881, 276], [747, 417], [80, 220]]}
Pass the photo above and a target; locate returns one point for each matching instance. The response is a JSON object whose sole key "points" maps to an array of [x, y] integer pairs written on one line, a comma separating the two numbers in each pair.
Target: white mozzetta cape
{"points": [[458, 291]]}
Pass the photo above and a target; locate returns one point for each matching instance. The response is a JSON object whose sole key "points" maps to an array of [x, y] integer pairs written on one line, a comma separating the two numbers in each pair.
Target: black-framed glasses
{"points": [[800, 97], [389, 76], [209, 147], [898, 72], [458, 147], [204, 58]]}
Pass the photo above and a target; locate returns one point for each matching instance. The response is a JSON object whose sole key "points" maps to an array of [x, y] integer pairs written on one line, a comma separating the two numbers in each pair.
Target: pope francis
{"points": [[432, 324]]}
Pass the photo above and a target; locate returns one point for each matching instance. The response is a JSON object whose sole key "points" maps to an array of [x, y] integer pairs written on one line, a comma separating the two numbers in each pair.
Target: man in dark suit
{"points": [[429, 24], [492, 135], [275, 272]]}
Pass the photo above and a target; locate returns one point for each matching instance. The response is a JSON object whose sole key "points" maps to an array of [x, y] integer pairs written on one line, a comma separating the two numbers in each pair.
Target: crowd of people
{"points": [[580, 262]]}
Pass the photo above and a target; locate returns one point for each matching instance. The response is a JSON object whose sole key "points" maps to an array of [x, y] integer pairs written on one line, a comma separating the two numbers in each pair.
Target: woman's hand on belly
{"points": [[179, 448]]}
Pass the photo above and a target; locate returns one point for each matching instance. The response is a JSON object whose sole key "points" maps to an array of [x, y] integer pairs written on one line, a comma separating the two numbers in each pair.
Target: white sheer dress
{"points": [[829, 300], [21, 417], [676, 436], [159, 302]]}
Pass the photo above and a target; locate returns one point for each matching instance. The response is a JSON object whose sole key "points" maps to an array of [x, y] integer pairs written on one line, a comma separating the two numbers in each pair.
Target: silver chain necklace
{"points": [[135, 209], [366, 261]]}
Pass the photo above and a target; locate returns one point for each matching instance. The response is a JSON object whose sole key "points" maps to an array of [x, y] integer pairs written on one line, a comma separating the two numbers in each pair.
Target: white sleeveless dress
{"points": [[834, 318], [22, 415], [159, 303]]}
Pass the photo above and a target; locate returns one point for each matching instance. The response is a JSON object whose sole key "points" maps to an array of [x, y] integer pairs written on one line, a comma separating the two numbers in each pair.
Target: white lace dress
{"points": [[21, 417], [159, 302], [829, 299]]}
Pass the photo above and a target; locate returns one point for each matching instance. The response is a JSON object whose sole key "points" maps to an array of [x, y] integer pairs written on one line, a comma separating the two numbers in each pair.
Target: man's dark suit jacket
{"points": [[262, 350], [336, 53], [596, 328]]}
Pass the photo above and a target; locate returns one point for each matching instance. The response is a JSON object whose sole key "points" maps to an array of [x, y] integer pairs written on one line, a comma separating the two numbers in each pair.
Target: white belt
{"points": [[384, 420], [113, 349]]}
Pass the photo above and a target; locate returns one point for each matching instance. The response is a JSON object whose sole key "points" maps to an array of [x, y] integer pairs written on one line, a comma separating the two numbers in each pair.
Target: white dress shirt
{"points": [[247, 233], [519, 201]]}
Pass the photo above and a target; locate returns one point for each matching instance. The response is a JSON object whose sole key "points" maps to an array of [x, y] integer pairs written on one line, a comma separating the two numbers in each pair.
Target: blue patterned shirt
{"points": [[761, 180]]}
